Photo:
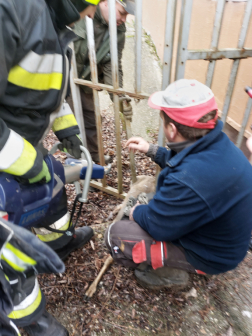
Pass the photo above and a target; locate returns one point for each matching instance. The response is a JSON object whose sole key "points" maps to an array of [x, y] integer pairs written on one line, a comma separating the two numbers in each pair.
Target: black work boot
{"points": [[46, 325], [80, 238], [163, 277]]}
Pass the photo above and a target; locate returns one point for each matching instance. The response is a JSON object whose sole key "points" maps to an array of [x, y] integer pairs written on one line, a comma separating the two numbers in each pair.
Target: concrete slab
{"points": [[145, 120]]}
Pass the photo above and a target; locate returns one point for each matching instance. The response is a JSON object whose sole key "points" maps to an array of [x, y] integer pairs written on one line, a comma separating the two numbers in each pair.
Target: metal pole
{"points": [[138, 46], [131, 154], [236, 63], [168, 51], [75, 91], [88, 176], [244, 123], [185, 20], [94, 76], [168, 43], [219, 54], [215, 39], [138, 76], [115, 77]]}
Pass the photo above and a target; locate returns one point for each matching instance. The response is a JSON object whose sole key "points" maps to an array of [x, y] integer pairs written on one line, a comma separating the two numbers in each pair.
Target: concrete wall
{"points": [[200, 37]]}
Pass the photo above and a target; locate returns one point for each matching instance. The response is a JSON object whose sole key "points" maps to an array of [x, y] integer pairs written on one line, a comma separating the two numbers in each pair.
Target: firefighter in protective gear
{"points": [[22, 303], [102, 43], [34, 82]]}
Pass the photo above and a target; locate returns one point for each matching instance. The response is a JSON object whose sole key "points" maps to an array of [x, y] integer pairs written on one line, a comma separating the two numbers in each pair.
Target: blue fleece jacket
{"points": [[203, 202]]}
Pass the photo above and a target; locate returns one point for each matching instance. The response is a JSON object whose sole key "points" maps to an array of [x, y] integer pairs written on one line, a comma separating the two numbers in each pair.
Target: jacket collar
{"points": [[98, 16], [179, 146], [196, 147]]}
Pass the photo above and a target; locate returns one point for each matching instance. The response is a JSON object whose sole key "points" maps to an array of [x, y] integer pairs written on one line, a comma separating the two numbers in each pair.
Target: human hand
{"points": [[71, 145], [132, 210], [137, 143], [249, 144]]}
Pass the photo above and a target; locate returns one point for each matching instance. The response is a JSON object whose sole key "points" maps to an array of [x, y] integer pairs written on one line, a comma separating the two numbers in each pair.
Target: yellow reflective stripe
{"points": [[25, 162], [13, 265], [64, 122], [29, 299], [93, 2], [35, 81], [54, 235], [18, 314], [6, 277], [24, 257], [18, 260]]}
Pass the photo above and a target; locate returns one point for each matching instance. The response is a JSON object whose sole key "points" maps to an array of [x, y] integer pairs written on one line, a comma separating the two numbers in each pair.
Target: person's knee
{"points": [[115, 228], [106, 239]]}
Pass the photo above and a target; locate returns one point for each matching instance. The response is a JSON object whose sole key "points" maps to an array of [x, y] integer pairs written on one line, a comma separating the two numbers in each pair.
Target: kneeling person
{"points": [[199, 219]]}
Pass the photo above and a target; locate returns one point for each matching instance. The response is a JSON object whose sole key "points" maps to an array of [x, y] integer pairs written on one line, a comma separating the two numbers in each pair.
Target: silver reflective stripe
{"points": [[29, 299], [11, 233], [13, 282], [54, 115], [57, 225], [109, 233], [15, 146], [14, 327], [14, 259], [162, 252], [44, 64], [58, 186], [64, 110]]}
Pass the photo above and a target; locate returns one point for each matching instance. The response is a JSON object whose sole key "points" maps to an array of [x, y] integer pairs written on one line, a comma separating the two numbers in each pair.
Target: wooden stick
{"points": [[92, 289]]}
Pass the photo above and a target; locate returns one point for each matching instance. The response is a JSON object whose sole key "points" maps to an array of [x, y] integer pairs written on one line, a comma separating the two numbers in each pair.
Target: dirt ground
{"points": [[215, 306], [219, 305]]}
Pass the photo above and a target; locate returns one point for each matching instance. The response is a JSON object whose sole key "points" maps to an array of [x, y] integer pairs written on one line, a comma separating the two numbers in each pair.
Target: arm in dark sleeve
{"points": [[17, 156], [162, 156], [80, 45], [9, 40], [174, 211]]}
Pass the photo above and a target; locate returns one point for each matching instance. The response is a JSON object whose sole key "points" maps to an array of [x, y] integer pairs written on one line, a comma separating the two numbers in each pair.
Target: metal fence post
{"points": [[236, 63], [244, 122], [75, 91], [94, 76], [185, 20], [215, 39], [138, 77], [115, 77], [138, 46], [171, 9]]}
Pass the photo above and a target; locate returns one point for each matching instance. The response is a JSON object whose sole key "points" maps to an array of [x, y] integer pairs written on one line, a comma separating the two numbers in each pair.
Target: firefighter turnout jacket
{"points": [[22, 256], [35, 62]]}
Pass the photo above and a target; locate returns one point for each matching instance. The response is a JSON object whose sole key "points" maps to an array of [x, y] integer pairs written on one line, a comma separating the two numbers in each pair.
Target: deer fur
{"points": [[145, 184]]}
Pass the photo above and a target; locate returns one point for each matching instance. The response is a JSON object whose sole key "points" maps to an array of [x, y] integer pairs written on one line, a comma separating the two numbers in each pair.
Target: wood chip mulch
{"points": [[120, 306]]}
